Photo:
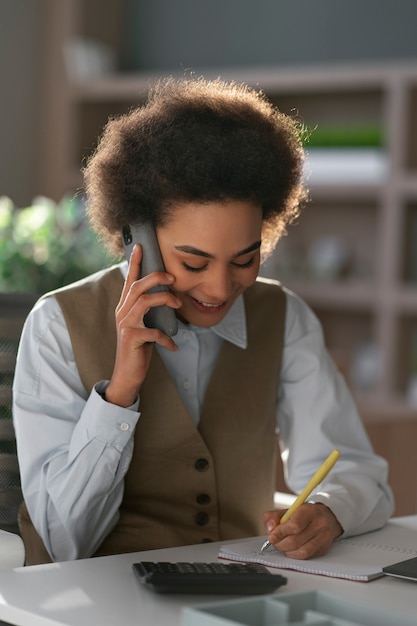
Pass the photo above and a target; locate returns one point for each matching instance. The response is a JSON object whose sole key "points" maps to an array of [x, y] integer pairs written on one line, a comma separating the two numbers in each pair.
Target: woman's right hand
{"points": [[134, 339]]}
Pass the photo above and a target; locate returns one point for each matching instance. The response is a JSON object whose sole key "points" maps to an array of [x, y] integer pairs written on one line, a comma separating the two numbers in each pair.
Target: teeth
{"points": [[212, 306]]}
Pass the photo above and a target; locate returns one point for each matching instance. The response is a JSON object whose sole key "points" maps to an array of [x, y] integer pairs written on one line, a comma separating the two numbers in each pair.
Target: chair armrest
{"points": [[12, 551]]}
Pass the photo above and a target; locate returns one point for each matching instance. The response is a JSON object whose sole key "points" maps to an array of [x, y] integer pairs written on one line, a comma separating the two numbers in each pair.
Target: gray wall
{"points": [[19, 84], [184, 34], [181, 34]]}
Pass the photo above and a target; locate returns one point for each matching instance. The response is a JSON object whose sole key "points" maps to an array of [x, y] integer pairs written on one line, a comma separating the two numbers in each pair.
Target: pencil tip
{"points": [[265, 545]]}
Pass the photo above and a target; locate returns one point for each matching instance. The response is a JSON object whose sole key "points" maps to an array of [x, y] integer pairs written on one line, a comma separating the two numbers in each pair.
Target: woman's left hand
{"points": [[309, 532]]}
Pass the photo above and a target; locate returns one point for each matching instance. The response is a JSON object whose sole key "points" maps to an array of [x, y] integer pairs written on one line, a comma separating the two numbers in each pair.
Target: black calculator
{"points": [[207, 578]]}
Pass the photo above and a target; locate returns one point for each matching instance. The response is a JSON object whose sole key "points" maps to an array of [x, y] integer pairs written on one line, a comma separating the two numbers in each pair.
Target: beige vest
{"points": [[187, 485]]}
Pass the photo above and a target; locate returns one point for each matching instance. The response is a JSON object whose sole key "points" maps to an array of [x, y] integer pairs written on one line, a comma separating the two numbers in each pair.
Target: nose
{"points": [[218, 285]]}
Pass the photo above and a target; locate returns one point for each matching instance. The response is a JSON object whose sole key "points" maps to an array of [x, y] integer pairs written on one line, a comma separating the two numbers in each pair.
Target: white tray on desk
{"points": [[314, 608]]}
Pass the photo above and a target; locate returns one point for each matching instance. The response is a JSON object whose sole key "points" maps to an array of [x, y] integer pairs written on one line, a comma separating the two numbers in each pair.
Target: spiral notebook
{"points": [[359, 558]]}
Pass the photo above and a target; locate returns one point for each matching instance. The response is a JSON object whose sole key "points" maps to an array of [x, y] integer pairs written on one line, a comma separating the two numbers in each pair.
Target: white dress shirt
{"points": [[75, 448]]}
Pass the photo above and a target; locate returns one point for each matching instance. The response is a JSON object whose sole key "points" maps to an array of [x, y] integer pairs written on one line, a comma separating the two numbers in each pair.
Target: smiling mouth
{"points": [[208, 305]]}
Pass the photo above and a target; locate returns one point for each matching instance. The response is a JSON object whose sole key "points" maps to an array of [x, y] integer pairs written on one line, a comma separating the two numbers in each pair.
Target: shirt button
{"points": [[186, 384], [201, 519], [124, 426], [201, 465], [203, 499], [186, 335]]}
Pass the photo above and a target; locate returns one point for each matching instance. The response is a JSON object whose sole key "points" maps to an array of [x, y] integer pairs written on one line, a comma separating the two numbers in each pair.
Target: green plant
{"points": [[345, 136], [46, 245]]}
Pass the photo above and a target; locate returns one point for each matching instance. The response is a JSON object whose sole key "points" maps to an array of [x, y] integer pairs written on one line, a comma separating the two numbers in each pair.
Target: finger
{"points": [[133, 271], [159, 337], [305, 545], [299, 546], [137, 307], [146, 282], [136, 300], [297, 524], [310, 532], [155, 279], [271, 519], [138, 337]]}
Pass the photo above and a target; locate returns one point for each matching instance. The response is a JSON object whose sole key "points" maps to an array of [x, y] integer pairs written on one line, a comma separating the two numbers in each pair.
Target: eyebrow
{"points": [[207, 255]]}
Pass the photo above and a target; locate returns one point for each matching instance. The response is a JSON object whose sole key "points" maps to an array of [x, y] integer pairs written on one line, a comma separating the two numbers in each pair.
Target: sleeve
{"points": [[316, 413], [74, 450]]}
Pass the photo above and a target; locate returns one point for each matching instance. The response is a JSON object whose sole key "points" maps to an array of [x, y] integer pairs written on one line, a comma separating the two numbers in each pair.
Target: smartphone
{"points": [[162, 317]]}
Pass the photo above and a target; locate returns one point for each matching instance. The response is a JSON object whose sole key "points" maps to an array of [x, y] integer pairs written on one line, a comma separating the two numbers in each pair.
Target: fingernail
{"points": [[270, 526]]}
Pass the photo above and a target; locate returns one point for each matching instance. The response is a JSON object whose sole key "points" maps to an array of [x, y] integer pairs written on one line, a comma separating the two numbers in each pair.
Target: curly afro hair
{"points": [[195, 140]]}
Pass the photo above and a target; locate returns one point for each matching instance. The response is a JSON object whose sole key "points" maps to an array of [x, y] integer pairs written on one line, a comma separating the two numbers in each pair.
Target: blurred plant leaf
{"points": [[47, 245]]}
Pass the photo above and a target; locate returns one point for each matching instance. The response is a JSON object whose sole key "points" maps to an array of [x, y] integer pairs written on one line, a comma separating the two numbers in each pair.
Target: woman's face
{"points": [[213, 251]]}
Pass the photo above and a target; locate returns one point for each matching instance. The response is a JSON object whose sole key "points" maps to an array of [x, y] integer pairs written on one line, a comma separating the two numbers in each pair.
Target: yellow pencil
{"points": [[313, 482]]}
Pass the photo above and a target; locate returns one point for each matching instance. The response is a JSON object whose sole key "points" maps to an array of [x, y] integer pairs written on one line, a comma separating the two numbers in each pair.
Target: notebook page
{"points": [[360, 558]]}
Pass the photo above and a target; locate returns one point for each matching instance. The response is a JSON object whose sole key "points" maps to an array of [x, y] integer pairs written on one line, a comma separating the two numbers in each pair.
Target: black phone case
{"points": [[162, 317]]}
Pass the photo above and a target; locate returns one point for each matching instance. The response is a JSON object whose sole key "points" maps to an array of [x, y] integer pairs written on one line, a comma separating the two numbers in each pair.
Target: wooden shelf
{"points": [[346, 296], [375, 298], [276, 80]]}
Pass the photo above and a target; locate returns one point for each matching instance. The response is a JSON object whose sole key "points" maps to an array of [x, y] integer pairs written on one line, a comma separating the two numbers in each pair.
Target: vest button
{"points": [[201, 519], [203, 499], [201, 465]]}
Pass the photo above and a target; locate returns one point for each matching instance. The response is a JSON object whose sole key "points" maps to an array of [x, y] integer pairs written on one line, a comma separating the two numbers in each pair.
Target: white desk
{"points": [[104, 591]]}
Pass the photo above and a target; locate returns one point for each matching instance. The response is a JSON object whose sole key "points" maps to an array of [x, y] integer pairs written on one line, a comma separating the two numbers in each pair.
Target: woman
{"points": [[129, 439]]}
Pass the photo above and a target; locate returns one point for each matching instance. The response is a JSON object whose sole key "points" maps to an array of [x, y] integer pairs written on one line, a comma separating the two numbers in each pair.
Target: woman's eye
{"points": [[190, 268], [243, 266], [201, 268]]}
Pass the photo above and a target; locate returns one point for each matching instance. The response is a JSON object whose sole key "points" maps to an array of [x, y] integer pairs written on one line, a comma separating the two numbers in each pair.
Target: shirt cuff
{"points": [[112, 424], [101, 387]]}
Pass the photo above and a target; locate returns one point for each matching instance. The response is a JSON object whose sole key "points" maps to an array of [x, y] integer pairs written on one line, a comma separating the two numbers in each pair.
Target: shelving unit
{"points": [[374, 299]]}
